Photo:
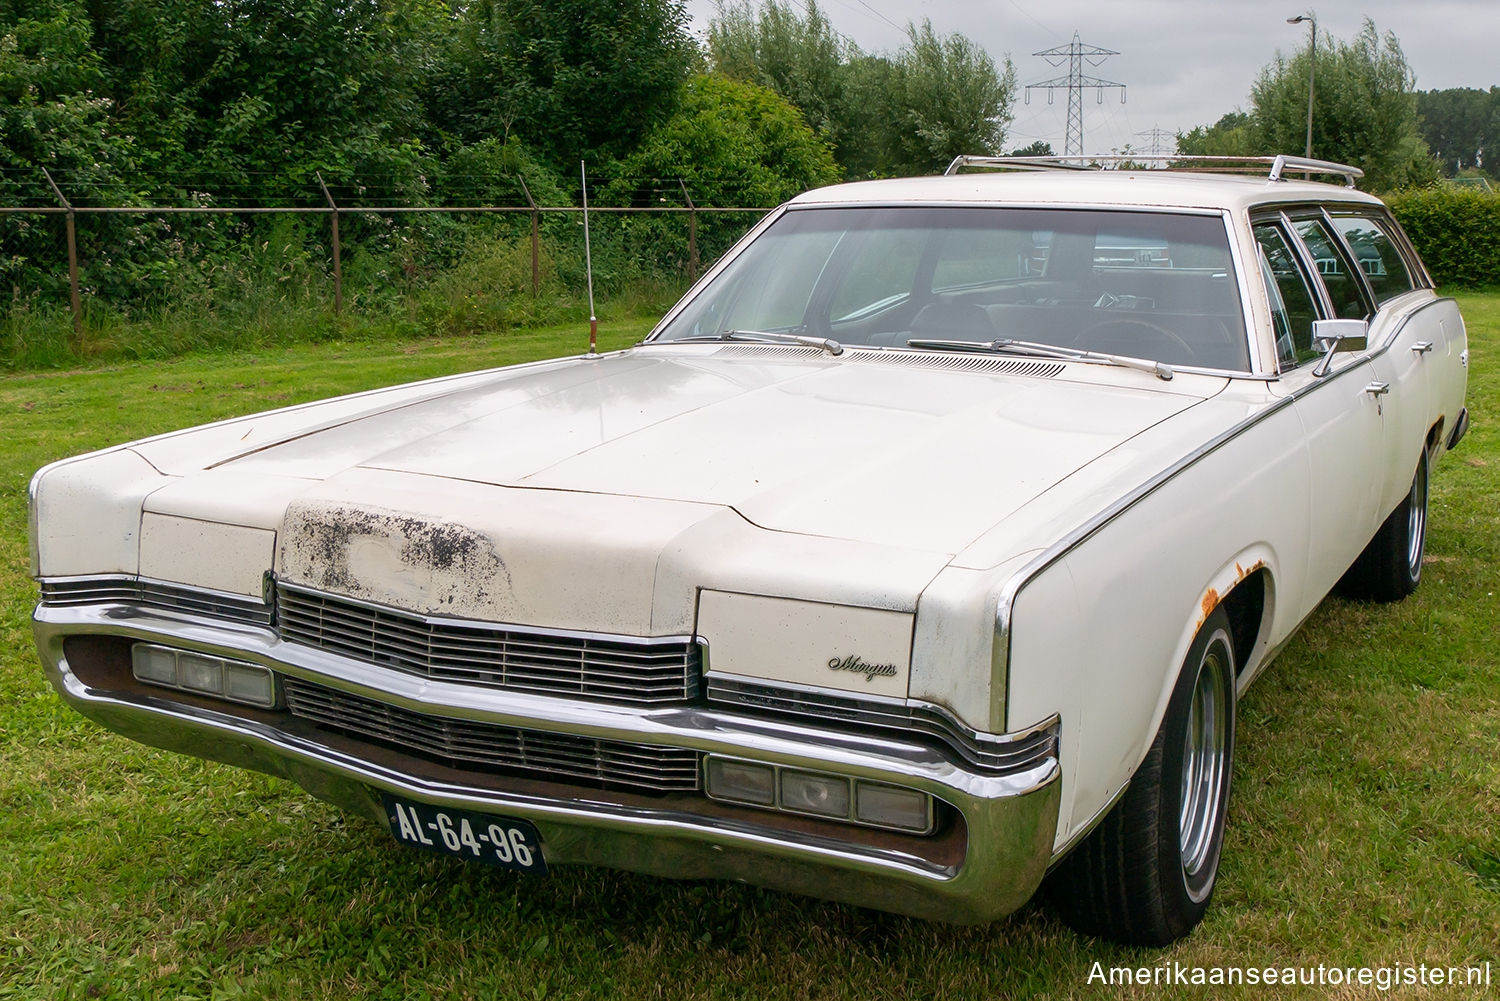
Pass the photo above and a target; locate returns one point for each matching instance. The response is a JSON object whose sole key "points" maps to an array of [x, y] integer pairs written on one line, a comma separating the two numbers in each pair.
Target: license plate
{"points": [[479, 837]]}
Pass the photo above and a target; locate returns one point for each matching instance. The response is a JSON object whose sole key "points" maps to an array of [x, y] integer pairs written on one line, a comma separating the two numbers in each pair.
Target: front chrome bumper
{"points": [[1008, 820]]}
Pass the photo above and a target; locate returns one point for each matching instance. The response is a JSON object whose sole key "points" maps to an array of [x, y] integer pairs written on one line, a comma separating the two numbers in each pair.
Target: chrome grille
{"points": [[478, 746], [156, 594], [610, 668]]}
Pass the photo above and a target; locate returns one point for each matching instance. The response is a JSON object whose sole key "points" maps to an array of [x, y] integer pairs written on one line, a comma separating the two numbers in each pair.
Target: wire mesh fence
{"points": [[551, 234]]}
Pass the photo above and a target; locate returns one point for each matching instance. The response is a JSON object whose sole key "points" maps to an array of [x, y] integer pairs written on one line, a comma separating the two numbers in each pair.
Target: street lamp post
{"points": [[1312, 66]]}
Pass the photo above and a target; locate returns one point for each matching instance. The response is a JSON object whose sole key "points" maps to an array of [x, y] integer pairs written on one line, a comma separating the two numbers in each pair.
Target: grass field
{"points": [[1364, 828]]}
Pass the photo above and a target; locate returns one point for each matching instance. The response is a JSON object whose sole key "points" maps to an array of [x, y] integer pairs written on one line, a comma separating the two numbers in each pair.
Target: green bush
{"points": [[1457, 232]]}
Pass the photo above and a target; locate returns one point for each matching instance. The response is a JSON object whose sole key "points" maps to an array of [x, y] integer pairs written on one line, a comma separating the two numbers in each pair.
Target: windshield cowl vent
{"points": [[962, 363]]}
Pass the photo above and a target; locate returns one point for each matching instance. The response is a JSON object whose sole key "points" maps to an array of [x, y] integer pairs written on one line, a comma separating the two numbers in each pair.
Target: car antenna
{"points": [[588, 262]]}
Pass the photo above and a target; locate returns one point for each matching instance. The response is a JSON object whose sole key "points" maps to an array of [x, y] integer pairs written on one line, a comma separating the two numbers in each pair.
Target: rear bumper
{"points": [[990, 864]]}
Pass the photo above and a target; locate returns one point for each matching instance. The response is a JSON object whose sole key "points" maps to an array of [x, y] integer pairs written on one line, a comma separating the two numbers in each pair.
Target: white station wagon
{"points": [[921, 551]]}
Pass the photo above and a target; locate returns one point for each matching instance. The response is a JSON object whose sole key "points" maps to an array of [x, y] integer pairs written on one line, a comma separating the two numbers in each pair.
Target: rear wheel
{"points": [[1146, 873], [1390, 568]]}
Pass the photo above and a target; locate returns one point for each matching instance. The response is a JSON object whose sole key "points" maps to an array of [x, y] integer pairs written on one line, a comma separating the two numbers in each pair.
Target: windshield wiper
{"points": [[1009, 345], [828, 344]]}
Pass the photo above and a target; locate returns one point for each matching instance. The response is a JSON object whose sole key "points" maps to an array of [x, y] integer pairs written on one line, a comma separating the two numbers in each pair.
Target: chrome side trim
{"points": [[995, 753], [1261, 366], [64, 592], [1012, 588]]}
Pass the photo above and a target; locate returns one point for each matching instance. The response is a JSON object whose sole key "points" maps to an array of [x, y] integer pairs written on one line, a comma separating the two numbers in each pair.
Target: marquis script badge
{"points": [[858, 666]]}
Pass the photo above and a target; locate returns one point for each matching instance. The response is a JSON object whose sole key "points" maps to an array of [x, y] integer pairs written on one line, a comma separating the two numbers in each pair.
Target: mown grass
{"points": [[1364, 828]]}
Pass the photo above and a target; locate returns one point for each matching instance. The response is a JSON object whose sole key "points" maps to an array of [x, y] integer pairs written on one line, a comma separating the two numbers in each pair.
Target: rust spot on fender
{"points": [[1240, 573], [1210, 602]]}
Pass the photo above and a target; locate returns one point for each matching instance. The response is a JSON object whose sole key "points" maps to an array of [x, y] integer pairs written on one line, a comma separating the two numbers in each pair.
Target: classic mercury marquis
{"points": [[921, 550]]}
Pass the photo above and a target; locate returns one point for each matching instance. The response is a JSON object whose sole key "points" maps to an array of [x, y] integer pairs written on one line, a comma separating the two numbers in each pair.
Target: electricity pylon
{"points": [[1075, 55], [1161, 140]]}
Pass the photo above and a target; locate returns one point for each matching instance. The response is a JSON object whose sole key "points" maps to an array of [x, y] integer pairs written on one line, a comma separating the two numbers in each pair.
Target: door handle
{"points": [[1421, 347], [1377, 390]]}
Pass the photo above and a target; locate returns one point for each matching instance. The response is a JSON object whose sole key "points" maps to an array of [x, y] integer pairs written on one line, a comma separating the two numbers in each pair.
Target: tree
{"points": [[1231, 135], [804, 60], [580, 78], [731, 143], [1040, 147], [219, 94], [53, 116], [53, 112], [1365, 109], [910, 112], [800, 58], [1460, 125], [947, 97], [869, 148]]}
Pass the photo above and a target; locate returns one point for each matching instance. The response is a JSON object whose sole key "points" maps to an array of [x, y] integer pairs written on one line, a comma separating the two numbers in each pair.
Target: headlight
{"points": [[184, 670], [819, 794]]}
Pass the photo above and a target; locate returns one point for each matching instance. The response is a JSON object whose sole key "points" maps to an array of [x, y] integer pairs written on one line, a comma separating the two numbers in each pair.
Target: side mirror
{"points": [[1334, 336]]}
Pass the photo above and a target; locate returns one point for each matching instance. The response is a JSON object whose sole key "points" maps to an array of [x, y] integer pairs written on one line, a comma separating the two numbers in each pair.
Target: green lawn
{"points": [[1364, 828]]}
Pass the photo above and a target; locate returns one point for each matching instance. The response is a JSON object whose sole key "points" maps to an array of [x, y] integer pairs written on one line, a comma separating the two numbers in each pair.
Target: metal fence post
{"points": [[536, 240], [74, 299], [692, 233], [338, 268]]}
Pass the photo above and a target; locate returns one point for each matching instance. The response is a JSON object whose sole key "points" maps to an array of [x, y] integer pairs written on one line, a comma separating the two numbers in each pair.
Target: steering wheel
{"points": [[1121, 335]]}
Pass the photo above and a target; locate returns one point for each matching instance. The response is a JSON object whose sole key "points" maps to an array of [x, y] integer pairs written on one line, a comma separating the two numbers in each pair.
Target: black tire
{"points": [[1390, 568], [1146, 874]]}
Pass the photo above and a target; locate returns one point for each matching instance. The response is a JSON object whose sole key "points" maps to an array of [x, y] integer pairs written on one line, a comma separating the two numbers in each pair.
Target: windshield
{"points": [[1154, 285]]}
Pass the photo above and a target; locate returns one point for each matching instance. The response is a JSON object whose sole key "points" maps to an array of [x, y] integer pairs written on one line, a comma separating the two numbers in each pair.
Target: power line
{"points": [[1031, 17], [1075, 54], [871, 13]]}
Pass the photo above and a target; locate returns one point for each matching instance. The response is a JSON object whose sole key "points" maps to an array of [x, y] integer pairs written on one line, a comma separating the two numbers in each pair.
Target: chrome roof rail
{"points": [[1204, 164], [1016, 163], [1284, 162]]}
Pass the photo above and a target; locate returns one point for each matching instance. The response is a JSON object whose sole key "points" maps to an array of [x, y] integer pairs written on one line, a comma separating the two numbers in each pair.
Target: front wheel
{"points": [[1390, 568], [1146, 873]]}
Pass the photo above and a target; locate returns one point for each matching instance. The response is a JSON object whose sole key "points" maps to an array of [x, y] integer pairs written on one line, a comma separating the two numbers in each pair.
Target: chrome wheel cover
{"points": [[1416, 521], [1205, 760]]}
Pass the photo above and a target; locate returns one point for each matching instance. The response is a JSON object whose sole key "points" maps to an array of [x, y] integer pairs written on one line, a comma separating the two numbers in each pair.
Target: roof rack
{"points": [[1204, 164]]}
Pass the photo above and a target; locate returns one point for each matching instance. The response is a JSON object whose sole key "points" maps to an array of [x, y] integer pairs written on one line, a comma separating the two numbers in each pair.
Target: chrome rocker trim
{"points": [[1010, 819]]}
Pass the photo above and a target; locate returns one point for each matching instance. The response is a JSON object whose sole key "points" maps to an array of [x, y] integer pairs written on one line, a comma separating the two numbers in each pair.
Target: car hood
{"points": [[921, 452]]}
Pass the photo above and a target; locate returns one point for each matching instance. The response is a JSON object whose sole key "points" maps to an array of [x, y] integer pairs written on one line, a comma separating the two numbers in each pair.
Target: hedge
{"points": [[1456, 231]]}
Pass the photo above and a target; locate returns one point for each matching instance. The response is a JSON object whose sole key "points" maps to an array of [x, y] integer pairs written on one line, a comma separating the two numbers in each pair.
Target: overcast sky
{"points": [[1184, 62]]}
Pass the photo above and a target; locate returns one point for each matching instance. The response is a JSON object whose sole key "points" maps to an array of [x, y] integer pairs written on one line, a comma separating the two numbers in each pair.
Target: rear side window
{"points": [[1335, 269], [1376, 254]]}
